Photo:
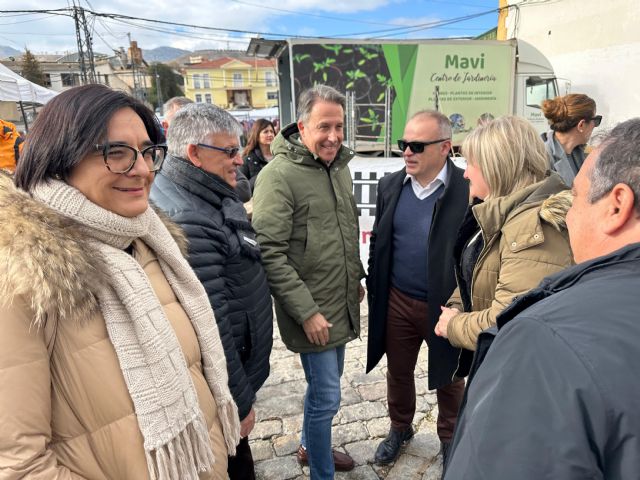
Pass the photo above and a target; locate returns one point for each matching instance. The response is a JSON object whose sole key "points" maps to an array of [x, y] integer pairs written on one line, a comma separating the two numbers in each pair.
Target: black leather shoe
{"points": [[389, 448]]}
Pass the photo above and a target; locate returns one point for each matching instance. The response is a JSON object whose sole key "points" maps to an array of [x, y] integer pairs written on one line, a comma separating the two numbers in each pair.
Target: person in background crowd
{"points": [[572, 119], [195, 188], [512, 237], [257, 153], [170, 108], [418, 212], [110, 358], [11, 143], [556, 385], [307, 224]]}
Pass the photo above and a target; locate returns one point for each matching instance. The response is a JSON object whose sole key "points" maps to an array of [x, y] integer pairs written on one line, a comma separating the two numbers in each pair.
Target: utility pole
{"points": [[158, 91], [85, 48]]}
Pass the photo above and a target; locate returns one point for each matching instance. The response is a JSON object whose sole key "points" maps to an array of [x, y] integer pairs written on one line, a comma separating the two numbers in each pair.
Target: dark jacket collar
{"points": [[196, 181]]}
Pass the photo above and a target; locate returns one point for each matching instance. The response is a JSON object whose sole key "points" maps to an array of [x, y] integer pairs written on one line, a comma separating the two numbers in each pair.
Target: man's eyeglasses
{"points": [[596, 120], [230, 151], [418, 147], [120, 158]]}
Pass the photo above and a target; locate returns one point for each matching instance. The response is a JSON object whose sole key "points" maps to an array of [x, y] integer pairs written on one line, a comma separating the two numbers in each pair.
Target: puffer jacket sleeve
{"points": [[455, 301], [519, 272], [25, 400], [208, 248], [273, 209]]}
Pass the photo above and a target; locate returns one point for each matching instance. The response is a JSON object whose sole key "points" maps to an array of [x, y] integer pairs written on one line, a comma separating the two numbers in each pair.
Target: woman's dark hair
{"points": [[68, 128], [564, 113], [254, 135]]}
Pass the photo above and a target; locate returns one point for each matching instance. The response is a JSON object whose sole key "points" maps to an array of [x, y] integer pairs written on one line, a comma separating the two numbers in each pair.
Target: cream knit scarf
{"points": [[176, 438]]}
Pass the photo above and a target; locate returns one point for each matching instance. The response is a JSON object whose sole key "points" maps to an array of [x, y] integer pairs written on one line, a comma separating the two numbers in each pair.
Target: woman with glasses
{"points": [[572, 119], [513, 235], [110, 359], [257, 153]]}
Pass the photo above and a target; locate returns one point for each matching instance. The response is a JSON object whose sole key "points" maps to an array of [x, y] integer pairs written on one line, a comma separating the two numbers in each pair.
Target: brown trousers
{"points": [[407, 328]]}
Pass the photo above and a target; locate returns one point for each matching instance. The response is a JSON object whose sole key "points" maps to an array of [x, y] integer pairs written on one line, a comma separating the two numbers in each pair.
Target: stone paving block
{"points": [[278, 406], [362, 378], [348, 433], [363, 472], [278, 469], [372, 392], [425, 445], [286, 444], [292, 424], [266, 429], [361, 412], [349, 396], [362, 452], [408, 467], [434, 471], [379, 427], [261, 450], [295, 387]]}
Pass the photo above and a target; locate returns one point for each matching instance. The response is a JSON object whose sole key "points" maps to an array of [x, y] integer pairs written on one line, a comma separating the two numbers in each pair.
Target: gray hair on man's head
{"points": [[175, 103], [618, 162], [315, 94], [194, 123], [444, 124]]}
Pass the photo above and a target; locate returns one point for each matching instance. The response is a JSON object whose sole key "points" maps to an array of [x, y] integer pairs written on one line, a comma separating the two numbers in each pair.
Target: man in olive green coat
{"points": [[306, 222]]}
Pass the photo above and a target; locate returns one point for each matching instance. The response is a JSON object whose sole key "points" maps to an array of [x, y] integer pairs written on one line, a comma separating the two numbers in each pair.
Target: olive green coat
{"points": [[525, 239], [306, 222]]}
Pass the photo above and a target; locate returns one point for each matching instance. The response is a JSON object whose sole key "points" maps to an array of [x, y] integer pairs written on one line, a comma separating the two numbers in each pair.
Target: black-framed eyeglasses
{"points": [[120, 157], [418, 147], [230, 151], [596, 120]]}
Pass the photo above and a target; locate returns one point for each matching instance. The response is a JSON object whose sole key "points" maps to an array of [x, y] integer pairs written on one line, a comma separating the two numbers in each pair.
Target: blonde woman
{"points": [[572, 119], [512, 236]]}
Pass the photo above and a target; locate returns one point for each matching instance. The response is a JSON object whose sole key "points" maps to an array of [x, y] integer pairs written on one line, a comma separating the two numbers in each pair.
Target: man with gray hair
{"points": [[170, 108], [554, 388], [307, 224], [196, 189]]}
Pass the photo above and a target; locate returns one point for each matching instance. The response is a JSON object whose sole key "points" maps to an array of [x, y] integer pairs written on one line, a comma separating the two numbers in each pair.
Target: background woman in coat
{"points": [[572, 119], [257, 153], [511, 239], [111, 364]]}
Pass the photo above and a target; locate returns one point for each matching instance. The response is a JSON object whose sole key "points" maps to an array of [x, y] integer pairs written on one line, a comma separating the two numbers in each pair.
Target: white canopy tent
{"points": [[14, 88]]}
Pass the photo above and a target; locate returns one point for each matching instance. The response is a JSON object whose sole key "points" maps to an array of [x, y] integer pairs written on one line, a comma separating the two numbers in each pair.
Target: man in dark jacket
{"points": [[411, 274], [307, 224], [196, 188], [554, 390]]}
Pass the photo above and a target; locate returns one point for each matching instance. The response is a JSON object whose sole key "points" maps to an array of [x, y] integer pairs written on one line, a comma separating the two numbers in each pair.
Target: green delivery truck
{"points": [[387, 81]]}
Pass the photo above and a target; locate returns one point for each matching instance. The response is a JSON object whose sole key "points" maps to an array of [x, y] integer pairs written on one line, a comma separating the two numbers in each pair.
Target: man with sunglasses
{"points": [[196, 188], [411, 274]]}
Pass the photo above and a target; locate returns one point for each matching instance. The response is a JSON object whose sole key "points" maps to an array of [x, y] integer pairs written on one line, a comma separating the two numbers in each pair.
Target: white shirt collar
{"points": [[423, 192]]}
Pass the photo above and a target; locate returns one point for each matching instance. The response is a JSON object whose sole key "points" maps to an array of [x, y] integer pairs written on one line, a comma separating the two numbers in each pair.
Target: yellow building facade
{"points": [[232, 83]]}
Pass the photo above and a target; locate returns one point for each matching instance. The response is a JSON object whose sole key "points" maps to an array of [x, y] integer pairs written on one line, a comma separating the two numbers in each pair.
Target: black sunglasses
{"points": [[596, 120], [418, 147], [230, 151]]}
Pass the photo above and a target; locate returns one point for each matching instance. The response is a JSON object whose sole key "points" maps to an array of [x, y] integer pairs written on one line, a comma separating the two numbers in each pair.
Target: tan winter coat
{"points": [[65, 411], [525, 239]]}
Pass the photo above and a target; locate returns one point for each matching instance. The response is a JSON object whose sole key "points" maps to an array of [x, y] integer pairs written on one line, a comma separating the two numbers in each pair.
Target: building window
{"points": [[270, 79], [196, 80], [237, 79], [198, 98], [68, 79], [272, 95], [47, 80], [207, 98], [205, 80]]}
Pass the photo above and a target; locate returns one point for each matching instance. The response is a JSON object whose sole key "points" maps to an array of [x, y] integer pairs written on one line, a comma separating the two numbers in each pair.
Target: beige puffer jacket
{"points": [[525, 240], [65, 411]]}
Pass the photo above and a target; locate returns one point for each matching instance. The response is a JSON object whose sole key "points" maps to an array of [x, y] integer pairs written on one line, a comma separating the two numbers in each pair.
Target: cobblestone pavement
{"points": [[360, 425]]}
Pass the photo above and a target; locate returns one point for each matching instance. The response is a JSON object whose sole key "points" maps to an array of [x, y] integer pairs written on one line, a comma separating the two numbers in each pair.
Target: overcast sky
{"points": [[50, 33]]}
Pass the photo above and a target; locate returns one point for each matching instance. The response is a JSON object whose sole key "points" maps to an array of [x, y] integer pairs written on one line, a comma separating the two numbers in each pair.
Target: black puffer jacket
{"points": [[253, 163], [226, 258]]}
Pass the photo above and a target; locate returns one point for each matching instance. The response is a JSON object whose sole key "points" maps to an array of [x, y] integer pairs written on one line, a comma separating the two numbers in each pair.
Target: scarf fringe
{"points": [[184, 457], [228, 415]]}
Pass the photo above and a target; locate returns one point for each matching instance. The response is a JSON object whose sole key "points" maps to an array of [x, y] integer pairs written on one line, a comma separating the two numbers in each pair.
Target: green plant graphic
{"points": [[353, 75], [322, 67], [373, 120], [299, 57]]}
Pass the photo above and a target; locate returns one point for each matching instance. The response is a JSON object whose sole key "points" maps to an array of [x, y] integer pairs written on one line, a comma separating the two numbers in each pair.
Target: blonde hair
{"points": [[564, 113], [509, 153]]}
